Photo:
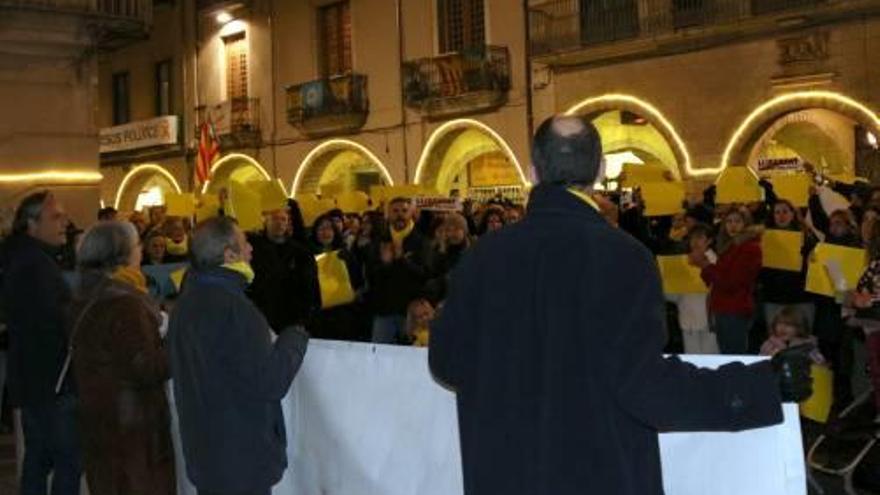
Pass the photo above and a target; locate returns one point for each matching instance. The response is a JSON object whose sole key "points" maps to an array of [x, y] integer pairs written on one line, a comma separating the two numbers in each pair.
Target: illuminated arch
{"points": [[312, 168], [428, 171], [760, 119], [225, 167], [138, 176], [610, 102]]}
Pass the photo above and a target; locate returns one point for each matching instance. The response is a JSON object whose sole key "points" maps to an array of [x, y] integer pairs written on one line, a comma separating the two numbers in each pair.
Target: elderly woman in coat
{"points": [[120, 367]]}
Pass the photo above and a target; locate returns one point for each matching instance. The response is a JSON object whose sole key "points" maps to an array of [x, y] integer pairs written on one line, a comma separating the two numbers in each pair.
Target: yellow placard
{"points": [[333, 280], [679, 276], [635, 175], [245, 205], [850, 262], [738, 185], [180, 204], [312, 207], [818, 406], [272, 195], [207, 206], [663, 198], [782, 249], [793, 187], [353, 202]]}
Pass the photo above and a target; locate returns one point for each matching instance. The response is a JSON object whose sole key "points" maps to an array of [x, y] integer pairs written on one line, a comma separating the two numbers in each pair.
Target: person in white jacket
{"points": [[693, 313]]}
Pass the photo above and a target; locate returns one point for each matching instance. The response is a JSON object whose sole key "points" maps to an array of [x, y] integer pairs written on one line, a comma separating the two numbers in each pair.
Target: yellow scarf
{"points": [[397, 236], [678, 233], [242, 268], [422, 337], [585, 198], [176, 248], [130, 276]]}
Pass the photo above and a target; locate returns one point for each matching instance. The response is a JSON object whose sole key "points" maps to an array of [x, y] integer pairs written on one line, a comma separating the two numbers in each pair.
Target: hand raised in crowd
{"points": [[862, 299], [792, 367]]}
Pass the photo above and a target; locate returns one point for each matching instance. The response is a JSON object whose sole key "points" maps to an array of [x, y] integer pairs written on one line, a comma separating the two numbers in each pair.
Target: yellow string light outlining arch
{"points": [[334, 145], [231, 157], [140, 170], [456, 124], [790, 102], [616, 101]]}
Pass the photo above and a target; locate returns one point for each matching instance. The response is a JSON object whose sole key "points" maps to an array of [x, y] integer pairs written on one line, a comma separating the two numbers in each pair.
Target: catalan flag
{"points": [[209, 151]]}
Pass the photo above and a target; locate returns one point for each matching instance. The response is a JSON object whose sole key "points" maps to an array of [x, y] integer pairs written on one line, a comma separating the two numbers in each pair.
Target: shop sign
{"points": [[159, 131]]}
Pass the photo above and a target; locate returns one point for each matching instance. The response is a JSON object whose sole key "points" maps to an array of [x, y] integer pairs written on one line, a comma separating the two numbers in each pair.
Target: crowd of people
{"points": [[398, 261]]}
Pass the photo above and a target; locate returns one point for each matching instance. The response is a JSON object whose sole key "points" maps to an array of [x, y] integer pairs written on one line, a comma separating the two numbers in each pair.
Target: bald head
{"points": [[567, 151]]}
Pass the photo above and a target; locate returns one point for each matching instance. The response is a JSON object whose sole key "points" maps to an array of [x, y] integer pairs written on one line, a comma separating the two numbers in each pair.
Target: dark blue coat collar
{"points": [[223, 277], [557, 200]]}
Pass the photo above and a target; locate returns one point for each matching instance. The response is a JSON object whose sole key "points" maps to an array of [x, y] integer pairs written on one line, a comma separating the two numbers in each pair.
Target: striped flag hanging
{"points": [[209, 151]]}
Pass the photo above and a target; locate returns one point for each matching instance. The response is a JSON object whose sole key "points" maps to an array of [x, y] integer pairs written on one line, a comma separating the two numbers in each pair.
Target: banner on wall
{"points": [[369, 420]]}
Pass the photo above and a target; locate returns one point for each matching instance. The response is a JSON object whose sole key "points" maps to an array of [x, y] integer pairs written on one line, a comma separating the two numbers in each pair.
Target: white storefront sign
{"points": [[141, 134]]}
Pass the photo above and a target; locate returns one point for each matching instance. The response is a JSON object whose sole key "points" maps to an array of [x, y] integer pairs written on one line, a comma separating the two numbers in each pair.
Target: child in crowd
{"points": [[418, 320], [693, 317], [789, 328]]}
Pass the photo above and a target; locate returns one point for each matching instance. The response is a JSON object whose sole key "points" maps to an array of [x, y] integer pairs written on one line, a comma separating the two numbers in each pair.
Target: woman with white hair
{"points": [[120, 367]]}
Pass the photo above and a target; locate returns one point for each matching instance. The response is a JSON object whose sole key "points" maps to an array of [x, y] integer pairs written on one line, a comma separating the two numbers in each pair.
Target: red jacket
{"points": [[732, 279]]}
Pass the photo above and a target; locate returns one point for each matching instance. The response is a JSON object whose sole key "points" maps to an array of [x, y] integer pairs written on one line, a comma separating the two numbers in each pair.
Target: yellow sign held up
{"points": [[208, 206], [334, 281], [272, 195], [834, 269], [818, 406], [635, 175], [738, 185], [782, 249], [180, 204], [679, 276], [793, 187], [663, 198], [353, 202], [245, 205]]}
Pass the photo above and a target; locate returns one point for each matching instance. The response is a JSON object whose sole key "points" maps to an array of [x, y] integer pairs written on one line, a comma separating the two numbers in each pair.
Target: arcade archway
{"points": [[834, 133], [145, 185], [340, 166], [635, 132], [238, 167], [468, 156]]}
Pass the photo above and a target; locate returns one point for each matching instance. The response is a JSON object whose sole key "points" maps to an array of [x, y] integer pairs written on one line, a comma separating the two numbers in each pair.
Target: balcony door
{"points": [[608, 20], [334, 30], [461, 25], [236, 67]]}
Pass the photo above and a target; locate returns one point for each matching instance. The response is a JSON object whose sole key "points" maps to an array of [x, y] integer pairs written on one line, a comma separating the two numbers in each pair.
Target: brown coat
{"points": [[121, 367]]}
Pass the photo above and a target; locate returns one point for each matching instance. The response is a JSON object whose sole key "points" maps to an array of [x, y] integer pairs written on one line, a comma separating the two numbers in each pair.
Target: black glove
{"points": [[792, 367]]}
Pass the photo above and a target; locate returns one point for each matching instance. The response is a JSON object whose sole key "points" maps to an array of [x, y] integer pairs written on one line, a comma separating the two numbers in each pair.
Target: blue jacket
{"points": [[552, 337], [229, 379]]}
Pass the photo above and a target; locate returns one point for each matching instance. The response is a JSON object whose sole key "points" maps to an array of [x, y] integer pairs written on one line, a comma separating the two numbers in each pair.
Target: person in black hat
{"points": [[552, 339]]}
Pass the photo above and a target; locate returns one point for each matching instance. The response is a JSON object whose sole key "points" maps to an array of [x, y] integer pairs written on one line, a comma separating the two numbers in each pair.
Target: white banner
{"points": [[369, 420], [142, 134]]}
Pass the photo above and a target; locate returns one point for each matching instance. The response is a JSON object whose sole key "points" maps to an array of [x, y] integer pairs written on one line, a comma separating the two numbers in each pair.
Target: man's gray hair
{"points": [[29, 210], [210, 241], [106, 246]]}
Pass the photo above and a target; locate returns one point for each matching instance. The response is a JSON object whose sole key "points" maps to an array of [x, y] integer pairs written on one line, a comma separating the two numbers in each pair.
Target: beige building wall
{"points": [[707, 94]]}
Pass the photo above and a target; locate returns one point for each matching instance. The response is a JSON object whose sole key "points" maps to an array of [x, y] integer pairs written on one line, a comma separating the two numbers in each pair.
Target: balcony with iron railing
{"points": [[473, 80], [560, 26], [329, 106], [236, 122], [111, 23]]}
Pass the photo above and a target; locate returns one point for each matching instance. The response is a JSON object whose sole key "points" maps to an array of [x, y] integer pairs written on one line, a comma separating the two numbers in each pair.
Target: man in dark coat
{"points": [[36, 302], [229, 375], [285, 284], [552, 338], [397, 272]]}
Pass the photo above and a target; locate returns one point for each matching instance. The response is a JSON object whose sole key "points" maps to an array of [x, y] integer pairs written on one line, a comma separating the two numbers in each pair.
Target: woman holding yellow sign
{"points": [[783, 286]]}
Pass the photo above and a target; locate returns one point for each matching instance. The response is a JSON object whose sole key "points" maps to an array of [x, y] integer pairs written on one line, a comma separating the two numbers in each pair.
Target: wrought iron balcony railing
{"points": [[334, 105], [471, 80], [112, 23], [560, 25], [236, 122]]}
